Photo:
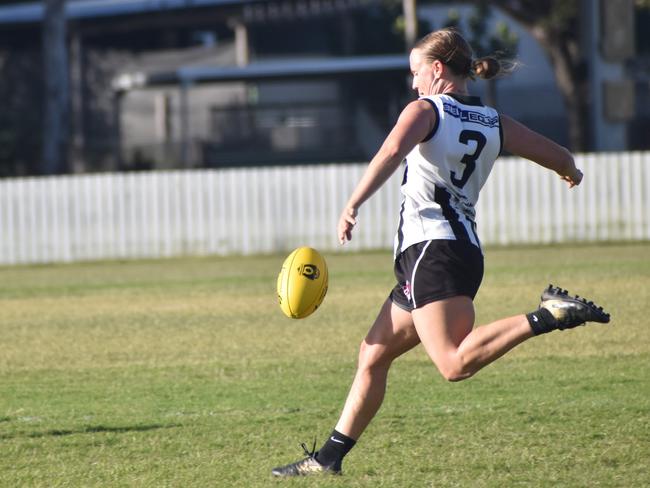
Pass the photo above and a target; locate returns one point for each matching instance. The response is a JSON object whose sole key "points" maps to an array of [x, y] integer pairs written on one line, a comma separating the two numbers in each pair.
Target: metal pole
{"points": [[76, 103], [607, 135], [185, 122], [410, 22]]}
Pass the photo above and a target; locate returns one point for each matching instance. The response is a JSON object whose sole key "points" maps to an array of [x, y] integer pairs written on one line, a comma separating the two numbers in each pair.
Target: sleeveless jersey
{"points": [[445, 172]]}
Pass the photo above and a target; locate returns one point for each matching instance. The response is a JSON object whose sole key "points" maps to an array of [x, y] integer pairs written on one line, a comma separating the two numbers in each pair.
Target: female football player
{"points": [[450, 141]]}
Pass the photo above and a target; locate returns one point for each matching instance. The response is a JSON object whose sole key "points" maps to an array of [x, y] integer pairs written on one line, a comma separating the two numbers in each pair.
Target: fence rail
{"points": [[263, 210]]}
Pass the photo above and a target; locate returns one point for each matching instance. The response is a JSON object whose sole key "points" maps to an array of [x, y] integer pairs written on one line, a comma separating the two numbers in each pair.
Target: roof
{"points": [[260, 70], [80, 9]]}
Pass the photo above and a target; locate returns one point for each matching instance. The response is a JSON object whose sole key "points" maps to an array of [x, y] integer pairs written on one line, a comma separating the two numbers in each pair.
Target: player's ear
{"points": [[437, 68]]}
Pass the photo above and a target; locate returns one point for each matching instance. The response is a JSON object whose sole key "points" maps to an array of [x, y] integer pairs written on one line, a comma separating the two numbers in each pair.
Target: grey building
{"points": [[214, 83]]}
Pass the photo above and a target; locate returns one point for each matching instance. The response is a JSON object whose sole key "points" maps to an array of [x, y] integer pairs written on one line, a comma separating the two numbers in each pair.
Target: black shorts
{"points": [[435, 270]]}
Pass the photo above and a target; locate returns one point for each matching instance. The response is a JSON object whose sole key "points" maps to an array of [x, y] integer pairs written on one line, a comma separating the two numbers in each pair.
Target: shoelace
{"points": [[311, 453]]}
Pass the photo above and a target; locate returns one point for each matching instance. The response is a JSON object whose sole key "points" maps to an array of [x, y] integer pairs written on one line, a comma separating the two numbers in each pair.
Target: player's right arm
{"points": [[522, 141], [414, 124]]}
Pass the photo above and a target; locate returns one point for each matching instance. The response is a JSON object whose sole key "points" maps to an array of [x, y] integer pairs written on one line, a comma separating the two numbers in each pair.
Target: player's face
{"points": [[422, 72]]}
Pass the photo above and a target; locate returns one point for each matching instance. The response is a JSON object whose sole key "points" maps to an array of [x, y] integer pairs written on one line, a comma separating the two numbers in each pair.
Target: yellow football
{"points": [[302, 283]]}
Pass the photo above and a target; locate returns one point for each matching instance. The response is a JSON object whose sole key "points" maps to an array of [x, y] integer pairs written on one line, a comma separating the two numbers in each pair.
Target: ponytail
{"points": [[490, 67], [486, 67]]}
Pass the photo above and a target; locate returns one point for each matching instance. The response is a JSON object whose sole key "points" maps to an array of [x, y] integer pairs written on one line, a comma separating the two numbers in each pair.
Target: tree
{"points": [[55, 74], [555, 24], [501, 43]]}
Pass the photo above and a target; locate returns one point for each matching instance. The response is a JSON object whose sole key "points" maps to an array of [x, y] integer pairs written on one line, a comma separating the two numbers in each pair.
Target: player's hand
{"points": [[574, 179], [347, 221]]}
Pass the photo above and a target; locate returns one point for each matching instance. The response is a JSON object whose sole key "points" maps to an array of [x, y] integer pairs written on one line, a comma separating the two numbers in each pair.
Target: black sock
{"points": [[541, 321], [335, 449]]}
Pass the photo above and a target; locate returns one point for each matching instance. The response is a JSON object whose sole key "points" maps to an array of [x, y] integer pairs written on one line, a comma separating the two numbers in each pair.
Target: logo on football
{"points": [[309, 271], [302, 283]]}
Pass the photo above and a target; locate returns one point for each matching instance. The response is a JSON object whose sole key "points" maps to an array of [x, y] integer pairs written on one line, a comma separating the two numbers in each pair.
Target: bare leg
{"points": [[445, 329], [391, 335]]}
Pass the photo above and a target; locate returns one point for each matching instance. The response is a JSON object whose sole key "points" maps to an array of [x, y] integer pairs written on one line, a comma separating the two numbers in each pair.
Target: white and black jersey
{"points": [[446, 171]]}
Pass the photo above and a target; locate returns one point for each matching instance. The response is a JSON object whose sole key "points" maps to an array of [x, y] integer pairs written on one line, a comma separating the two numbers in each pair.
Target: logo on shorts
{"points": [[406, 288]]}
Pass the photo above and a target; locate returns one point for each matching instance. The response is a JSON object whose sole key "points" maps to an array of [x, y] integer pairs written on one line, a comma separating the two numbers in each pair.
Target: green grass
{"points": [[185, 373]]}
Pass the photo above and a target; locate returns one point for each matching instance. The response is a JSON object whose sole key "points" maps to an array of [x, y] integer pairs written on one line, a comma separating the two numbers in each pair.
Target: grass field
{"points": [[185, 373]]}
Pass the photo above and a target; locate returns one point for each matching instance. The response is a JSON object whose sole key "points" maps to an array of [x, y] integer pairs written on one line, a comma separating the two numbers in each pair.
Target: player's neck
{"points": [[456, 88]]}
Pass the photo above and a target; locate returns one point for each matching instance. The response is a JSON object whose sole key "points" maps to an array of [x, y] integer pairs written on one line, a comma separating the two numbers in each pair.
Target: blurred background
{"points": [[147, 128], [118, 85]]}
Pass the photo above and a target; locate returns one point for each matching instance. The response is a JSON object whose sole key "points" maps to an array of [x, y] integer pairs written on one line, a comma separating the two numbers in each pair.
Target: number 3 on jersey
{"points": [[469, 160]]}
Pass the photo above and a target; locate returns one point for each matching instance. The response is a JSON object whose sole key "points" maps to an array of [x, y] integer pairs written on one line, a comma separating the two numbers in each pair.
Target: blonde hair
{"points": [[451, 48]]}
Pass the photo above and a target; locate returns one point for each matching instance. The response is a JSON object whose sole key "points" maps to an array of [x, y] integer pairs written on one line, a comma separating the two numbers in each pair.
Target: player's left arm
{"points": [[413, 125], [522, 141]]}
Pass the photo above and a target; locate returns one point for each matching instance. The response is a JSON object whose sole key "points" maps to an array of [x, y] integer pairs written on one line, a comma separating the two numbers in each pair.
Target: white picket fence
{"points": [[264, 210]]}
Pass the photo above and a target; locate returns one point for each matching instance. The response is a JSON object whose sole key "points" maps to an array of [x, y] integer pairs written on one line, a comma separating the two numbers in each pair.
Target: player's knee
{"points": [[372, 356], [455, 376], [454, 370]]}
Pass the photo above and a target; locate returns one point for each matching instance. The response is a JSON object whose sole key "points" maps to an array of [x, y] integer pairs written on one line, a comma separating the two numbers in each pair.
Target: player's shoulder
{"points": [[421, 104], [421, 109]]}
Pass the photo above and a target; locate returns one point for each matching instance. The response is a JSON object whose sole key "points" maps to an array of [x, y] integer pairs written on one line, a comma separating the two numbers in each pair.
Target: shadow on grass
{"points": [[89, 430]]}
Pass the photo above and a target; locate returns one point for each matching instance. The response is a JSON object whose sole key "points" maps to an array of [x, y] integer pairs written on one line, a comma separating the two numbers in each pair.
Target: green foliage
{"points": [[562, 15], [185, 373], [502, 42]]}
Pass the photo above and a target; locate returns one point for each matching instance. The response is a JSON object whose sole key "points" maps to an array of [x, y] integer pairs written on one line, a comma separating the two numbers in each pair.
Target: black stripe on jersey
{"points": [[500, 135], [435, 126], [466, 99], [442, 197], [400, 228], [473, 226], [406, 172]]}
